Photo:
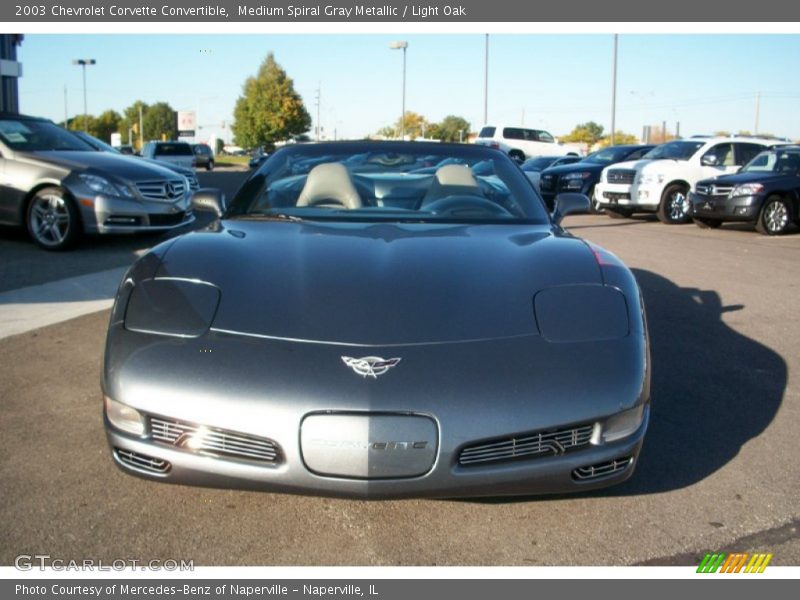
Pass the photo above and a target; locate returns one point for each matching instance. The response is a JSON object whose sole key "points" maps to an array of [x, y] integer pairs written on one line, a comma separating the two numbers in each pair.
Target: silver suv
{"points": [[59, 187], [175, 153]]}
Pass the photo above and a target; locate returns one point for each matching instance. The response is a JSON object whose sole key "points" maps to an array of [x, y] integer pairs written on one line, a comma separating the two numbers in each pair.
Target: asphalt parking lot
{"points": [[718, 472]]}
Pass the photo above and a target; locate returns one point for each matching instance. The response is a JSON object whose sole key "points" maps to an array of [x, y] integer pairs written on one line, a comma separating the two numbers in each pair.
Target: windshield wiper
{"points": [[271, 216]]}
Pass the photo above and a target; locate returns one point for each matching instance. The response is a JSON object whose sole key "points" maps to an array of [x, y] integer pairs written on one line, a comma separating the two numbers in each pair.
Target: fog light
{"points": [[124, 417], [643, 194], [623, 424]]}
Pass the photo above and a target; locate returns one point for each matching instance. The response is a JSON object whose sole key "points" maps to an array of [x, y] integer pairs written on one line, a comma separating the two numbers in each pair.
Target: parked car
{"points": [[203, 156], [766, 192], [661, 180], [101, 146], [382, 335], [126, 149], [582, 177], [59, 187], [533, 167], [521, 143], [176, 153], [259, 156]]}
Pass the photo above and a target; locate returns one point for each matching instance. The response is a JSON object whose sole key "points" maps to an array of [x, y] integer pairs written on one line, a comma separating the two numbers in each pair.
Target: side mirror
{"points": [[210, 199], [569, 203], [709, 160]]}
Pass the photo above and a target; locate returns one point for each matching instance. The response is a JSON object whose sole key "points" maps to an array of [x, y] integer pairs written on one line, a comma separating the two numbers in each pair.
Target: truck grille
{"points": [[216, 442], [548, 182], [625, 176], [530, 445], [163, 191]]}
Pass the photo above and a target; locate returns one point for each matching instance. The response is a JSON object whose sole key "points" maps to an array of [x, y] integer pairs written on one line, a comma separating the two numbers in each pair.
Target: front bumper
{"points": [[108, 214], [634, 196], [568, 473], [724, 208]]}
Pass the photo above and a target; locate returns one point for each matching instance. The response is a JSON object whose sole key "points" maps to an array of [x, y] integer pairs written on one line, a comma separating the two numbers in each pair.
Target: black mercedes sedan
{"points": [[581, 177], [766, 191], [353, 328]]}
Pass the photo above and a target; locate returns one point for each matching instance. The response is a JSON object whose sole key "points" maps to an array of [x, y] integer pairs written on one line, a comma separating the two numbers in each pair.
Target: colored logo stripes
{"points": [[734, 563]]}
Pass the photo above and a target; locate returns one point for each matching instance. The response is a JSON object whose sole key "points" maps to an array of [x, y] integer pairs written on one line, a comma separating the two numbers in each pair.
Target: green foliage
{"points": [[269, 109], [585, 133], [620, 137], [452, 129], [160, 122], [107, 123]]}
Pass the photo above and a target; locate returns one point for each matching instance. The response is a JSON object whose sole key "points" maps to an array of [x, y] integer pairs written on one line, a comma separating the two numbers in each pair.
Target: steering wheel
{"points": [[466, 206]]}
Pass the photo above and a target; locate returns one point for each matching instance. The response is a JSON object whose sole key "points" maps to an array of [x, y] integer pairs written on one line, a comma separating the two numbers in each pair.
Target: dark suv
{"points": [[203, 156], [765, 191], [582, 176]]}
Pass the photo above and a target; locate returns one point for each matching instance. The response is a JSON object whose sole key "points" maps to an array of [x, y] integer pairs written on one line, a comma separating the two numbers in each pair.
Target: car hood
{"points": [[578, 167], [125, 167], [636, 165], [739, 178], [377, 283]]}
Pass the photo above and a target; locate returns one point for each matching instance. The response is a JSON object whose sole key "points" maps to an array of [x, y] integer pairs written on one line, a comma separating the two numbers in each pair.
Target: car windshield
{"points": [[39, 136], [608, 156], [96, 143], [677, 150], [539, 164], [775, 161], [394, 181], [173, 150]]}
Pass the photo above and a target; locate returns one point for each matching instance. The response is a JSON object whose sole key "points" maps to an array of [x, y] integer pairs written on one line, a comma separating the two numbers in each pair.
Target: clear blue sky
{"points": [[707, 82]]}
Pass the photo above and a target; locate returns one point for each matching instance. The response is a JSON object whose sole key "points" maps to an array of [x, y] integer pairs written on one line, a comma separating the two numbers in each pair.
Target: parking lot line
{"points": [[33, 307]]}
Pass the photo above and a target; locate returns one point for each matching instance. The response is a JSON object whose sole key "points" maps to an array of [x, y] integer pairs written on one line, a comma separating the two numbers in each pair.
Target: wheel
{"points": [[210, 165], [774, 217], [704, 223], [517, 156], [674, 206], [53, 220], [618, 213]]}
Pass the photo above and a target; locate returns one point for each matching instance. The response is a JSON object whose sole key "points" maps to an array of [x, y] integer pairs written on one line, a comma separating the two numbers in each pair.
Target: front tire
{"points": [[674, 206], [210, 165], [517, 156], [774, 217], [53, 220]]}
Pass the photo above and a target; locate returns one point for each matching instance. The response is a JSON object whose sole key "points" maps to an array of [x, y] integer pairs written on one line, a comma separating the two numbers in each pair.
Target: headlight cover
{"points": [[101, 185], [124, 417], [647, 178], [622, 424], [746, 189], [176, 307], [581, 313]]}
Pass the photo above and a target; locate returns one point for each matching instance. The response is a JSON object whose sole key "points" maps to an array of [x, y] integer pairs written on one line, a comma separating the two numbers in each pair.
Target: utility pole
{"points": [[66, 112], [486, 81], [614, 94], [758, 108], [318, 102], [141, 129]]}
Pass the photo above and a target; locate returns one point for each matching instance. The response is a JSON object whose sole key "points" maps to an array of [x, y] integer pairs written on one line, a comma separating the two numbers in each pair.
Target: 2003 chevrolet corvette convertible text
{"points": [[380, 320]]}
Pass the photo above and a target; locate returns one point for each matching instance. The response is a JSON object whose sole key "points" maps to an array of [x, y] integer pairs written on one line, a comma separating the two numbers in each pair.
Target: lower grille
{"points": [[142, 462], [167, 220], [621, 176], [215, 442], [532, 445], [602, 470]]}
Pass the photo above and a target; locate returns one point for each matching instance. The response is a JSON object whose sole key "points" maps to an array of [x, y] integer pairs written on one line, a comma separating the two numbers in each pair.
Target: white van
{"points": [[521, 143]]}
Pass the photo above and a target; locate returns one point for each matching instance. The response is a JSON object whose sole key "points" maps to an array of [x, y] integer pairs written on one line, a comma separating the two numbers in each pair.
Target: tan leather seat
{"points": [[452, 180], [329, 184]]}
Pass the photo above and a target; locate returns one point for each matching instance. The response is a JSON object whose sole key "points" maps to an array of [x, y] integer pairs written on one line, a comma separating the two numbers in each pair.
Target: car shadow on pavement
{"points": [[713, 389]]}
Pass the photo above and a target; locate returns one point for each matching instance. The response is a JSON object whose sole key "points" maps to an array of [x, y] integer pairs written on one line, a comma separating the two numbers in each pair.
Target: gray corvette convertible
{"points": [[380, 320]]}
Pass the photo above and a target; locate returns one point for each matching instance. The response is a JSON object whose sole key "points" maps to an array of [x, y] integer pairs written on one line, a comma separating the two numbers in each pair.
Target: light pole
{"points": [[614, 95], [486, 82], [83, 62], [401, 45]]}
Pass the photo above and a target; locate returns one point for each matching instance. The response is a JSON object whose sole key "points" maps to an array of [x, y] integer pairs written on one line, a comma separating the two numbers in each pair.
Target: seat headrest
{"points": [[456, 175], [329, 183]]}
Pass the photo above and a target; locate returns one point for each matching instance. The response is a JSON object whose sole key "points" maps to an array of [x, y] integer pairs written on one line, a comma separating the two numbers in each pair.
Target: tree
{"points": [[452, 129], [585, 133], [269, 109], [160, 122], [620, 137], [107, 123], [81, 123]]}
